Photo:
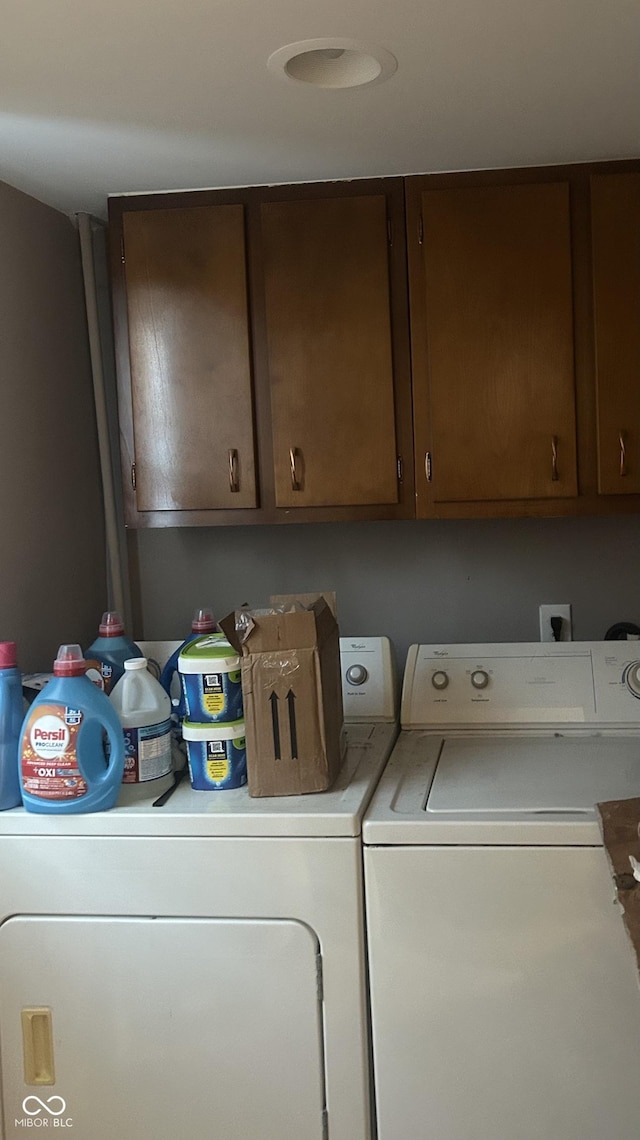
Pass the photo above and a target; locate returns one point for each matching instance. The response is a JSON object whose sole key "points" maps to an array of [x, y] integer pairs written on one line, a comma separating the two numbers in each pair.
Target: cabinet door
{"points": [[191, 394], [329, 351], [615, 229], [162, 1028], [492, 330]]}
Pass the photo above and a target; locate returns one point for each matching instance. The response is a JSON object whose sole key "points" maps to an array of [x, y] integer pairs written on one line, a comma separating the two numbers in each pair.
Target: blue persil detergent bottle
{"points": [[63, 766], [111, 649], [203, 622], [11, 715]]}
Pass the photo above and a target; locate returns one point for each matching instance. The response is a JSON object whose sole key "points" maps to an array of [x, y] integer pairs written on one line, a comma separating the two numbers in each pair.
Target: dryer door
{"points": [[161, 1028]]}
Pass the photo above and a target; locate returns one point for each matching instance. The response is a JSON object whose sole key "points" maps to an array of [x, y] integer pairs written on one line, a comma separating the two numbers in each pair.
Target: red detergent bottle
{"points": [[63, 765]]}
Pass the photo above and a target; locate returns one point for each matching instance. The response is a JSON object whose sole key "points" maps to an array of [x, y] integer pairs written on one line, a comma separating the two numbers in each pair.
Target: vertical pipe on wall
{"points": [[116, 548]]}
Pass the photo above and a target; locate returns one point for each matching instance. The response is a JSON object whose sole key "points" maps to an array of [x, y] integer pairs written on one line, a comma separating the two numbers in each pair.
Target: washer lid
{"points": [[532, 775]]}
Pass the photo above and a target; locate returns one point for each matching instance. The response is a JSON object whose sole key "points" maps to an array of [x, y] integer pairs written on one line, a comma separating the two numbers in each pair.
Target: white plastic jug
{"points": [[145, 715]]}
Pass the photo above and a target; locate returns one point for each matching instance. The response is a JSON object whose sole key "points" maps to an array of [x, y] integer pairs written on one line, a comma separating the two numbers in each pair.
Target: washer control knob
{"points": [[357, 674], [440, 679], [632, 677], [479, 679]]}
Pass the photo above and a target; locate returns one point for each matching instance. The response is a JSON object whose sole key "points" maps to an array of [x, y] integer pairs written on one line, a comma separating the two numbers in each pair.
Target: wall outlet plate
{"points": [[561, 611]]}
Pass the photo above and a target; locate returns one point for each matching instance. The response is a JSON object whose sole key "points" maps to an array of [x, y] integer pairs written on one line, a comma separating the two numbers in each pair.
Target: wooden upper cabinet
{"points": [[329, 350], [615, 233], [492, 342], [262, 341], [191, 405], [284, 352]]}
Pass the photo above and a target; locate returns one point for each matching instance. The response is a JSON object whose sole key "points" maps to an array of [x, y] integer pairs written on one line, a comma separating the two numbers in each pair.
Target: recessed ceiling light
{"points": [[333, 63]]}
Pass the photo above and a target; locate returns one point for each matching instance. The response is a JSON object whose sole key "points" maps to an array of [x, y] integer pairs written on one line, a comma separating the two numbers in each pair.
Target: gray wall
{"points": [[479, 580], [52, 551]]}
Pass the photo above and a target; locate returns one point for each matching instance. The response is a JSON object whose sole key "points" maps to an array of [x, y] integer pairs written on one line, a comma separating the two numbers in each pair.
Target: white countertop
{"points": [[336, 812]]}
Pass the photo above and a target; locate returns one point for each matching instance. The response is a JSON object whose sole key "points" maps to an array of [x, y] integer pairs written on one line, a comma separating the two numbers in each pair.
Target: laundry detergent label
{"points": [[49, 758], [147, 752], [213, 696], [217, 764]]}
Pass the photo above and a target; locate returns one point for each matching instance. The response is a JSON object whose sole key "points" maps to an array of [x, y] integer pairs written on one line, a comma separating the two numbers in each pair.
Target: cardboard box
{"points": [[292, 696]]}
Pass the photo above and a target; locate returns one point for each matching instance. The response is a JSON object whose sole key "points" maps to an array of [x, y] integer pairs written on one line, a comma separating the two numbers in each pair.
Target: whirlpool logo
{"points": [[49, 1113]]}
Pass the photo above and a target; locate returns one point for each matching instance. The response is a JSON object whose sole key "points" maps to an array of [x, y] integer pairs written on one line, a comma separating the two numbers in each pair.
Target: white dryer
{"points": [[197, 969], [504, 997]]}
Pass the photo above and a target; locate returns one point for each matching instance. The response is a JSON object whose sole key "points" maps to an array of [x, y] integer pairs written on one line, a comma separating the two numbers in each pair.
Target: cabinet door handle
{"points": [[554, 458], [234, 479], [623, 455], [295, 482], [37, 1046], [427, 466]]}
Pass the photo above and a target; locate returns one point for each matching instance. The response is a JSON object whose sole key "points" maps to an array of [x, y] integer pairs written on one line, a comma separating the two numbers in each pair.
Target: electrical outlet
{"points": [[546, 631]]}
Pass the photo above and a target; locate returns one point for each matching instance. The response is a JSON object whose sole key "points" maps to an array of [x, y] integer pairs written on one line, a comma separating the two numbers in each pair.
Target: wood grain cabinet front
{"points": [[452, 346], [493, 345], [615, 235], [330, 352], [186, 402], [263, 355]]}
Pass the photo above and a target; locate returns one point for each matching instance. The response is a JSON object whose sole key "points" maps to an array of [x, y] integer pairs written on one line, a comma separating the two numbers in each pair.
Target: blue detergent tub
{"points": [[217, 755], [209, 669]]}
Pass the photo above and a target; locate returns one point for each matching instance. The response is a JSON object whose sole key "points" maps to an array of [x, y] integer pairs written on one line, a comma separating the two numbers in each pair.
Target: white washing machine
{"points": [[196, 969], [504, 997]]}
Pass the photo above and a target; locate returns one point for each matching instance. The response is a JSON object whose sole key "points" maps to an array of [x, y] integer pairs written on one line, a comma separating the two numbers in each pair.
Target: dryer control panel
{"points": [[368, 679], [524, 685]]}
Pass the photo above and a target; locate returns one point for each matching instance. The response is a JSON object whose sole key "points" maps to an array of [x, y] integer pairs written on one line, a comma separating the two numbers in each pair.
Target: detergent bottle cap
{"points": [[203, 621], [69, 662], [8, 655], [111, 625]]}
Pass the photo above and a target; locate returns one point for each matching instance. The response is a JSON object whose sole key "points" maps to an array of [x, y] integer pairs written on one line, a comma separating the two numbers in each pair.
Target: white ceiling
{"points": [[102, 96]]}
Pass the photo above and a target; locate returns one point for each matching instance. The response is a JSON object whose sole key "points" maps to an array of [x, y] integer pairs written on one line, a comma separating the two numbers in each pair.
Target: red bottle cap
{"points": [[69, 662], [8, 655], [203, 621], [111, 625]]}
